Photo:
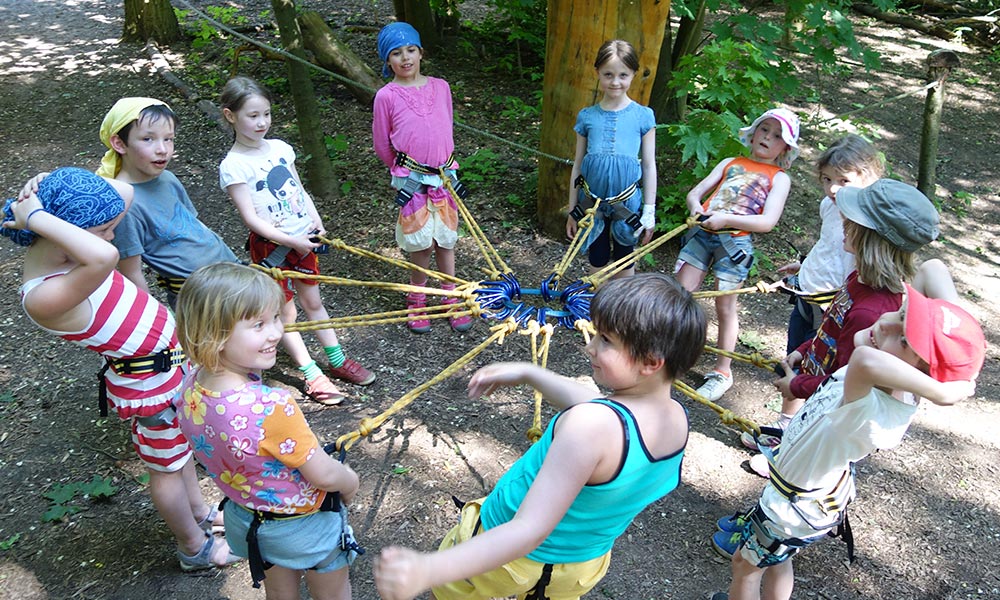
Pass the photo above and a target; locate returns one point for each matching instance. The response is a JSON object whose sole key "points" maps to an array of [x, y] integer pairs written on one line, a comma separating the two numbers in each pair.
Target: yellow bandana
{"points": [[121, 114]]}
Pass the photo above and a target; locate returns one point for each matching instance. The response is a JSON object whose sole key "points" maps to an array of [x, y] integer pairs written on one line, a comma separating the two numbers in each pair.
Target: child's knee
{"points": [[289, 312]]}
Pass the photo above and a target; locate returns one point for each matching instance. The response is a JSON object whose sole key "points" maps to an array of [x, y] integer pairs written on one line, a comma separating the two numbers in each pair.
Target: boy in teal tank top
{"points": [[548, 527]]}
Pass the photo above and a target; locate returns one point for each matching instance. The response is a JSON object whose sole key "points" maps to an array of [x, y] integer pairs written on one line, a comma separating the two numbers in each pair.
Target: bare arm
{"points": [[561, 392], [310, 205], [706, 185], [58, 302], [326, 473], [239, 193], [402, 573], [934, 281], [870, 368], [581, 151], [131, 268], [648, 159]]}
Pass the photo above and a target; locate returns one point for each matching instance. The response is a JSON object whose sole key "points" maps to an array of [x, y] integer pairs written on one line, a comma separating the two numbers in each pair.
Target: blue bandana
{"points": [[74, 195], [393, 36]]}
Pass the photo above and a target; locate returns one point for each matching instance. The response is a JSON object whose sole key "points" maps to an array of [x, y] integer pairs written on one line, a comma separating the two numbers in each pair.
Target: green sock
{"points": [[311, 370], [336, 355]]}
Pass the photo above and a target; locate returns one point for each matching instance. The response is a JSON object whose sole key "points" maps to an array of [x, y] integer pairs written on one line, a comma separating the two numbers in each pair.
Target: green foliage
{"points": [[9, 542], [202, 31], [515, 34], [515, 108], [336, 147], [958, 204], [60, 495], [483, 168]]}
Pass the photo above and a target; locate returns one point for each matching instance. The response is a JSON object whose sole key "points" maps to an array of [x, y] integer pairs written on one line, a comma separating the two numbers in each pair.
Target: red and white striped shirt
{"points": [[126, 322]]}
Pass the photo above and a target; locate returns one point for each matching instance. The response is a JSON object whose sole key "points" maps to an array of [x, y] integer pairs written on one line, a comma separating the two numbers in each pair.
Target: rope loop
{"points": [[366, 426]]}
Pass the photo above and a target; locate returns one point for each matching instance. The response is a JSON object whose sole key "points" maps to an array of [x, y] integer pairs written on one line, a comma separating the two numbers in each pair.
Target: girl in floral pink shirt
{"points": [[284, 494]]}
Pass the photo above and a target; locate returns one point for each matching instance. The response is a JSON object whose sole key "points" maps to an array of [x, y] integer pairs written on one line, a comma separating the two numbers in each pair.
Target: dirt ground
{"points": [[926, 520]]}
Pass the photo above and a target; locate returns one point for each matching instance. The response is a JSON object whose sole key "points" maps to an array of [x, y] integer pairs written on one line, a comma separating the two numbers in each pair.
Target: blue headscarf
{"points": [[393, 36], [74, 195]]}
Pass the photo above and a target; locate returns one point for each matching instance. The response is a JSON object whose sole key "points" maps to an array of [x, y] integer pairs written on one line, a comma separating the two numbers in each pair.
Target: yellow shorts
{"points": [[519, 577]]}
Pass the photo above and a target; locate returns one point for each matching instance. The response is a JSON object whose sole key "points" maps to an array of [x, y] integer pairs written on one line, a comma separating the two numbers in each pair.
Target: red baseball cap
{"points": [[945, 336]]}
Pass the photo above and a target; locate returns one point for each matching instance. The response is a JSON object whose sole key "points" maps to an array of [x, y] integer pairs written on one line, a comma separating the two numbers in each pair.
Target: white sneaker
{"points": [[716, 384]]}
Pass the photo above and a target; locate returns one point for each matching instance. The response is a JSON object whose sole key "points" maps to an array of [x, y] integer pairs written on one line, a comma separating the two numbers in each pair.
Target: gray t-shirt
{"points": [[163, 227]]}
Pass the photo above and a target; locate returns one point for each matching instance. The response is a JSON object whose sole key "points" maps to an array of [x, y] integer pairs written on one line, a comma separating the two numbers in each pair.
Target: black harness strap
{"points": [[538, 592], [843, 531], [102, 390], [161, 362]]}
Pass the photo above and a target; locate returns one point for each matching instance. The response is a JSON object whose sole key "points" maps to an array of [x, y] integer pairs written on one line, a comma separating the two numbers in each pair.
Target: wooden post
{"points": [[575, 31], [939, 64]]}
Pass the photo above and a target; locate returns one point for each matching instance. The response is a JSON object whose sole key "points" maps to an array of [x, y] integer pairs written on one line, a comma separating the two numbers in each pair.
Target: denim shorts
{"points": [[311, 542], [703, 250]]}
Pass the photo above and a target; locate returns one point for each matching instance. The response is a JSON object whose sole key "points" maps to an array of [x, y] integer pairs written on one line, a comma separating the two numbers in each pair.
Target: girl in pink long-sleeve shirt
{"points": [[412, 131]]}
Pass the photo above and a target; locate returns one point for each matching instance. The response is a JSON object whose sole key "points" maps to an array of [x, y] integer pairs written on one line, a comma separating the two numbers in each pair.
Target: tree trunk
{"points": [[150, 19], [419, 14], [318, 170], [574, 32], [668, 107], [336, 56]]}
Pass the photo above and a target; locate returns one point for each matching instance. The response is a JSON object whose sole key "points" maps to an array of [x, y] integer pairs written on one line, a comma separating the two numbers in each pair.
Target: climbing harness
{"points": [[832, 501], [170, 283], [588, 200], [161, 362], [258, 565], [733, 251], [331, 503], [413, 186]]}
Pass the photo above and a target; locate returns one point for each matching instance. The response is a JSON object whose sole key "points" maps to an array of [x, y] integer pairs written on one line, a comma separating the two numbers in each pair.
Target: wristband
{"points": [[31, 214], [648, 218]]}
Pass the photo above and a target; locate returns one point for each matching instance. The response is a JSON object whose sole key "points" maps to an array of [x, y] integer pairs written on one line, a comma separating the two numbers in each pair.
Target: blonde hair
{"points": [[853, 154], [213, 300], [880, 264]]}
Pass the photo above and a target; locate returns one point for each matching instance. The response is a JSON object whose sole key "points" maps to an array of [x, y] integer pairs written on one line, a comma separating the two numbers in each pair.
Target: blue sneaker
{"points": [[732, 523], [726, 543]]}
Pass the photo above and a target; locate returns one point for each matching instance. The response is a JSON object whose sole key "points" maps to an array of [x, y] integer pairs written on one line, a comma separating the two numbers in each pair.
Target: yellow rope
{"points": [[489, 253], [443, 311], [405, 264], [754, 358], [368, 425], [583, 227], [540, 358], [727, 416], [610, 270], [762, 287]]}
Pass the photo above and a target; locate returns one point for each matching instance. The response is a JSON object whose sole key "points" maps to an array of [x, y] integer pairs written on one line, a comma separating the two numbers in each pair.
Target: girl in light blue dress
{"points": [[615, 161]]}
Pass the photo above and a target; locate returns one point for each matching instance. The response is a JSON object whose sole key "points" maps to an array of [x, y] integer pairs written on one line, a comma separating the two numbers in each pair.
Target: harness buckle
{"points": [[633, 221], [276, 258], [460, 190], [405, 193]]}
